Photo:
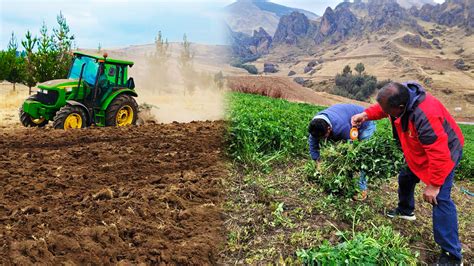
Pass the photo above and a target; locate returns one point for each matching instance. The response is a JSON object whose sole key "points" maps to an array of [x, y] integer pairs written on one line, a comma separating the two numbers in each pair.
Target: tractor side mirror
{"points": [[130, 84]]}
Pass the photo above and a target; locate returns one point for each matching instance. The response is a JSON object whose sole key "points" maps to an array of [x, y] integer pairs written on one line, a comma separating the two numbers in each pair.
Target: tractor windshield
{"points": [[90, 69]]}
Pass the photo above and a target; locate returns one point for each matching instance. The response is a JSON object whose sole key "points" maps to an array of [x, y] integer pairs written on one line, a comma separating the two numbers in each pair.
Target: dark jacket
{"points": [[340, 116]]}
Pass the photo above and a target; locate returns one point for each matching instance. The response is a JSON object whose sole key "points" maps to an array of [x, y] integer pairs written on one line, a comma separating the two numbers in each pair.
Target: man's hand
{"points": [[358, 119], [430, 193]]}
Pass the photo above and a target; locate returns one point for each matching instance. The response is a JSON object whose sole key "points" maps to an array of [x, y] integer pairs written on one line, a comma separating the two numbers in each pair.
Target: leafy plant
{"points": [[379, 246], [465, 169], [279, 218], [342, 162], [263, 130]]}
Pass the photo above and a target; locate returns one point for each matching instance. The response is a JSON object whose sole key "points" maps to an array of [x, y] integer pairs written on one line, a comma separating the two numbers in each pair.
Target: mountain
{"points": [[336, 24], [412, 3], [248, 15], [450, 13], [291, 27], [249, 47]]}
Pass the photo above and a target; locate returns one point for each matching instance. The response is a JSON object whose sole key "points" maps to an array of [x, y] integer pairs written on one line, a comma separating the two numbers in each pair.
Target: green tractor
{"points": [[96, 91]]}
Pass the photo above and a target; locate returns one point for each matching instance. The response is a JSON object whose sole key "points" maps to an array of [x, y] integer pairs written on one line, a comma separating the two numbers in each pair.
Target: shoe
{"points": [[362, 196], [446, 259], [396, 213]]}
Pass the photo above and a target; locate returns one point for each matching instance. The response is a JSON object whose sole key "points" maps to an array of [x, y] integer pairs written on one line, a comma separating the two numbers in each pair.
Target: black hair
{"points": [[318, 128], [395, 98]]}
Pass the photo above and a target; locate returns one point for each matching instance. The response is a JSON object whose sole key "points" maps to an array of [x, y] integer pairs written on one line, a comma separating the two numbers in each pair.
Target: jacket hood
{"points": [[417, 95]]}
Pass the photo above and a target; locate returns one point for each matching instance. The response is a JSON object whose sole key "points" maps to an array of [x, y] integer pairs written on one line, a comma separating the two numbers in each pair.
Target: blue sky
{"points": [[119, 23]]}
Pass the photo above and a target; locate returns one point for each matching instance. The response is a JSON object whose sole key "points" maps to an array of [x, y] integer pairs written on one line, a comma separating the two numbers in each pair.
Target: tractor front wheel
{"points": [[28, 121], [69, 117], [122, 111]]}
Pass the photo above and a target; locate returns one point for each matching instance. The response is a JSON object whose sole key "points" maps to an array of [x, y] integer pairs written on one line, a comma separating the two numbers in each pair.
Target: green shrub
{"points": [[358, 86], [465, 170], [341, 162], [264, 130], [379, 246], [250, 68]]}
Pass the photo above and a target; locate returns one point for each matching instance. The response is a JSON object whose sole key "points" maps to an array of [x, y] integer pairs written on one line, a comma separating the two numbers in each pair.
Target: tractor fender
{"points": [[86, 110], [112, 96]]}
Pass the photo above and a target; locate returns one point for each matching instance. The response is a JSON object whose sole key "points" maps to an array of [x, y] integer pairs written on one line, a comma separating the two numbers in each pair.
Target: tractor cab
{"points": [[101, 75], [97, 89]]}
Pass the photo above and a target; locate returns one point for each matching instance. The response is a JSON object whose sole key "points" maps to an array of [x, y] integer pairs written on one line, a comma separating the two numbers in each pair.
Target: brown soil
{"points": [[284, 88], [105, 195]]}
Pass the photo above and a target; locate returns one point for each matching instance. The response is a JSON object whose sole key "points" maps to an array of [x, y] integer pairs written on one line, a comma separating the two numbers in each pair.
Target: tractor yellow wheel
{"points": [[28, 121], [124, 116], [122, 111], [73, 121], [69, 117], [38, 121]]}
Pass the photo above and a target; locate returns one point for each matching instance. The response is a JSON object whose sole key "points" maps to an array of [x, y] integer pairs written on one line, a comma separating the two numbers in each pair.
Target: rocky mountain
{"points": [[416, 3], [291, 28], [407, 4], [249, 47], [248, 15], [450, 13], [335, 25], [356, 20]]}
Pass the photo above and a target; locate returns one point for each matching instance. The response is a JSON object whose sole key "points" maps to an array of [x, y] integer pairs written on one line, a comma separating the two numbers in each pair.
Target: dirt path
{"points": [[102, 196]]}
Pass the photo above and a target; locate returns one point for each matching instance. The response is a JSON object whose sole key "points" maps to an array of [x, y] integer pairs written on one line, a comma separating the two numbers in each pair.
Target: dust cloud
{"points": [[169, 92]]}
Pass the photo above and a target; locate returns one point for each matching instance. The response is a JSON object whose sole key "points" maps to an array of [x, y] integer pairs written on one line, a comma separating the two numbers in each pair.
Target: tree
{"points": [[162, 49], [347, 70], [99, 48], [219, 80], [158, 61], [358, 87], [63, 41], [186, 64], [46, 56], [14, 62], [186, 56], [29, 79], [360, 68]]}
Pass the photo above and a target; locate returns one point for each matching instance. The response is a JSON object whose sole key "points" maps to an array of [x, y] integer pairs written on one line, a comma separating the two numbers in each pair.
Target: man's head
{"points": [[318, 128], [393, 98]]}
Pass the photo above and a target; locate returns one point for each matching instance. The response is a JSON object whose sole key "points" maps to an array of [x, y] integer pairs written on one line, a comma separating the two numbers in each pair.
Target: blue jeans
{"points": [[365, 134], [445, 218]]}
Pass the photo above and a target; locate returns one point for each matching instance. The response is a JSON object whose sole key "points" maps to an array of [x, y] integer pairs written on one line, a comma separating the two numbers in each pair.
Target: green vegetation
{"points": [[250, 68], [359, 87], [264, 130], [339, 171], [44, 58], [279, 212], [378, 246], [466, 167]]}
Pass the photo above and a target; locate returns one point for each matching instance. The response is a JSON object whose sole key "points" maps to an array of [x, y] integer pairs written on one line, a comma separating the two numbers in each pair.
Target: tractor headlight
{"points": [[45, 91], [68, 89]]}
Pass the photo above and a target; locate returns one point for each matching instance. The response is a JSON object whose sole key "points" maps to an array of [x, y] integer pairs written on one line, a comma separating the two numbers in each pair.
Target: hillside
{"points": [[245, 16], [391, 41]]}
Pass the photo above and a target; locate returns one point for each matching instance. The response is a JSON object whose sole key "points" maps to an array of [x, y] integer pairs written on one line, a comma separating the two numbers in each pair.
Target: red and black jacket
{"points": [[431, 140]]}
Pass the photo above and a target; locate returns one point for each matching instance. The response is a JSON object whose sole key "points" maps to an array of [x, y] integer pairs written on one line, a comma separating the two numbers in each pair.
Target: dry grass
{"points": [[10, 101]]}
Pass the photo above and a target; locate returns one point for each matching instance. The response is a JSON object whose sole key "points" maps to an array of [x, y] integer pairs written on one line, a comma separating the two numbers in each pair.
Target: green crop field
{"points": [[281, 209]]}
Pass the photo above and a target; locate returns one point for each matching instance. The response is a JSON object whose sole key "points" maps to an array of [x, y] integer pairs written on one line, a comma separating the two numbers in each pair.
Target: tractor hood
{"points": [[58, 84]]}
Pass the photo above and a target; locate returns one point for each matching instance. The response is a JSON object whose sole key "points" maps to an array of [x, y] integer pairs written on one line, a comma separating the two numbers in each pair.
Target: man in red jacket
{"points": [[432, 144]]}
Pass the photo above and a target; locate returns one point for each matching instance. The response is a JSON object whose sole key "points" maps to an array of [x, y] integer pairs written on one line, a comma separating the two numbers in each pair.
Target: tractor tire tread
{"points": [[119, 101]]}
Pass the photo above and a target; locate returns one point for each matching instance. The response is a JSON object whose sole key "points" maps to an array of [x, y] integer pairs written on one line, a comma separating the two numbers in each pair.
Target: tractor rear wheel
{"points": [[70, 116], [28, 121], [122, 111]]}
